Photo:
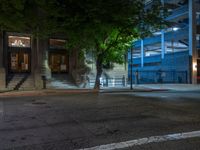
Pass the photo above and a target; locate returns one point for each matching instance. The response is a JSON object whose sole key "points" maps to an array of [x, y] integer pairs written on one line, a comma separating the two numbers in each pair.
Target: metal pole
{"points": [[131, 65], [163, 44], [173, 61], [192, 41], [142, 53], [163, 37]]}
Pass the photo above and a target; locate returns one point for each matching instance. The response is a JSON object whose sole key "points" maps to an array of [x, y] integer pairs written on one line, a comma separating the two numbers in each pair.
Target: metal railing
{"points": [[110, 82], [143, 77], [159, 76]]}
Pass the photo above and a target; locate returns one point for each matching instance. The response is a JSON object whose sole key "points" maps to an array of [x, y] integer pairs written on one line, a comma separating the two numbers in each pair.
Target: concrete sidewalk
{"points": [[175, 87], [136, 88], [153, 87], [45, 92]]}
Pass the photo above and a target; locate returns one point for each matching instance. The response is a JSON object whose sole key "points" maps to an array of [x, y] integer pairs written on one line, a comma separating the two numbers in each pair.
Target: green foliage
{"points": [[11, 16], [105, 27], [32, 16]]}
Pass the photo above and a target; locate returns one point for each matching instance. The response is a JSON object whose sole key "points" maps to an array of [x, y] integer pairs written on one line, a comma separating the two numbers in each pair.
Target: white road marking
{"points": [[142, 141], [163, 96]]}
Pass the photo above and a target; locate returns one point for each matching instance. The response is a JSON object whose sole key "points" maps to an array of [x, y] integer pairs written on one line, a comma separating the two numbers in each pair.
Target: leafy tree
{"points": [[27, 16], [107, 27], [11, 16]]}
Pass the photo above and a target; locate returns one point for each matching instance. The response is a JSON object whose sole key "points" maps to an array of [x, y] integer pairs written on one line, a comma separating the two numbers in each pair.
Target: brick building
{"points": [[24, 60]]}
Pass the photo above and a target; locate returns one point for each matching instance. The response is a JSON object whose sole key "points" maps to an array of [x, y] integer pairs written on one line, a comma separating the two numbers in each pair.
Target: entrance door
{"points": [[58, 63], [19, 62], [55, 63], [198, 71]]}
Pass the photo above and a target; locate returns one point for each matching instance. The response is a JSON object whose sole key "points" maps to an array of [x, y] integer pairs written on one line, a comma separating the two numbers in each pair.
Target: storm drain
{"points": [[36, 103]]}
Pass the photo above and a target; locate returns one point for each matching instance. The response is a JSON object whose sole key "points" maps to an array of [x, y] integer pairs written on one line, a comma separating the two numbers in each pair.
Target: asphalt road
{"points": [[75, 121]]}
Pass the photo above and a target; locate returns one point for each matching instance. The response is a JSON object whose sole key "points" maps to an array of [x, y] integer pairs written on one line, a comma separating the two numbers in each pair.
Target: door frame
{"points": [[19, 50], [50, 53]]}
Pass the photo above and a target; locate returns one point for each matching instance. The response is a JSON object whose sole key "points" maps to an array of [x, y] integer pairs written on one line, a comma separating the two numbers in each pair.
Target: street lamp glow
{"points": [[175, 28], [194, 66]]}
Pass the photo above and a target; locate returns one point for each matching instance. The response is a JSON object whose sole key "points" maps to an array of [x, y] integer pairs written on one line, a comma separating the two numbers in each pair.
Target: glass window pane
{"points": [[16, 41]]}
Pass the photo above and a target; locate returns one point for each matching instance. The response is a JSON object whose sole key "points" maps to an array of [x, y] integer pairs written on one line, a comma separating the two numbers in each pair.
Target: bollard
{"points": [[44, 81]]}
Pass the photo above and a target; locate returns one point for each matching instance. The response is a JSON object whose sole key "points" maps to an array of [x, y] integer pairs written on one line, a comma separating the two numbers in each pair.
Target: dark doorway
{"points": [[58, 62], [19, 61], [19, 54]]}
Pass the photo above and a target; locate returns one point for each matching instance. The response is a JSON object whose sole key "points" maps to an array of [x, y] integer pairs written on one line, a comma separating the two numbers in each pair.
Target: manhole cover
{"points": [[39, 103]]}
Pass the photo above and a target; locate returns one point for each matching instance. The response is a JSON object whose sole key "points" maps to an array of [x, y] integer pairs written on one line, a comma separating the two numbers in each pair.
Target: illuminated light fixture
{"points": [[194, 66], [113, 83], [18, 43], [19, 37], [157, 33], [175, 28]]}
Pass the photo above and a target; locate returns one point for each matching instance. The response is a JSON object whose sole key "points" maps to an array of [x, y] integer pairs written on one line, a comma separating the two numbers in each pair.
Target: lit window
{"points": [[57, 44], [16, 41]]}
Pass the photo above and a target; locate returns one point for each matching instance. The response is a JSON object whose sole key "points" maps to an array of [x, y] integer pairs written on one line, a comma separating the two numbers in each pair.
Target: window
{"points": [[57, 44], [152, 64], [18, 41]]}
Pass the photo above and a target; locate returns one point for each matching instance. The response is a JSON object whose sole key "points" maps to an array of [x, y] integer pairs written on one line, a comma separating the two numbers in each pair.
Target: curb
{"points": [[6, 91], [44, 92], [134, 90]]}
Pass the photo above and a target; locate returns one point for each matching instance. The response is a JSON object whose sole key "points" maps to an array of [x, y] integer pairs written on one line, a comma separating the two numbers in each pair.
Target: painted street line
{"points": [[142, 141]]}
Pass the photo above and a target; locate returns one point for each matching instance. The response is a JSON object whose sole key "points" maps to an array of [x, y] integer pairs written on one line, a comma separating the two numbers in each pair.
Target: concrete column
{"points": [[1, 49], [73, 60], [46, 71], [163, 44], [142, 53], [131, 68], [192, 41], [2, 69], [41, 46], [73, 66], [33, 55], [163, 38]]}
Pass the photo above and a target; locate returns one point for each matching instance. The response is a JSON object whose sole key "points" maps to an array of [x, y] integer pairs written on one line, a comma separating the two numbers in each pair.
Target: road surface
{"points": [[78, 121]]}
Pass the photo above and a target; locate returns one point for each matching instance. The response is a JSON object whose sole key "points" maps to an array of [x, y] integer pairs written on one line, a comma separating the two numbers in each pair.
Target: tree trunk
{"points": [[99, 70]]}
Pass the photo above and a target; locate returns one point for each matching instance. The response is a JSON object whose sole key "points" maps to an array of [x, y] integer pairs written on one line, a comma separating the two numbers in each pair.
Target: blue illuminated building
{"points": [[171, 55]]}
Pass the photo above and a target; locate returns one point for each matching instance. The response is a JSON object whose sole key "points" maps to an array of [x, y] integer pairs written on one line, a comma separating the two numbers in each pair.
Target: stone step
{"points": [[16, 79], [26, 88], [16, 82]]}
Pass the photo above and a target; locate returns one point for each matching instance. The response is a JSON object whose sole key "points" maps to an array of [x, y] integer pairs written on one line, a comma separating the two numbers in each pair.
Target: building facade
{"points": [[26, 62], [171, 55]]}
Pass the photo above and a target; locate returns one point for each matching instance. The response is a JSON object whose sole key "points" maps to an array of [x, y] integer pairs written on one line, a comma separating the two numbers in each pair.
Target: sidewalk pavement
{"points": [[136, 88], [175, 87], [44, 92], [154, 87]]}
